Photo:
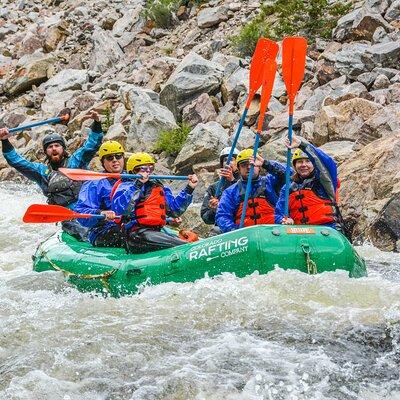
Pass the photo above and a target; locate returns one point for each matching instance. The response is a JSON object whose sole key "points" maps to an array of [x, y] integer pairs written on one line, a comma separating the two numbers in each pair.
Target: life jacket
{"points": [[151, 209], [307, 208], [61, 190], [259, 210]]}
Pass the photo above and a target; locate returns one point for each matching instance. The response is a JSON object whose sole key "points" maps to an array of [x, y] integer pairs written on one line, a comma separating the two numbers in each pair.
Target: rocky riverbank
{"points": [[144, 80]]}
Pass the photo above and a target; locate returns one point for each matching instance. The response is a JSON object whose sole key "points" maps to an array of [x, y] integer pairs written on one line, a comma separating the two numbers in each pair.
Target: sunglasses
{"points": [[145, 168], [111, 157]]}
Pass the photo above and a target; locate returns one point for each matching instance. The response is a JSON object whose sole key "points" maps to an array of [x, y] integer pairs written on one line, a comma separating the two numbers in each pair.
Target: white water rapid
{"points": [[285, 335]]}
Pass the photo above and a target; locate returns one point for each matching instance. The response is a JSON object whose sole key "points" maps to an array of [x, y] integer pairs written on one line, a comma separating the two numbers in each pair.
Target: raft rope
{"points": [[311, 265], [68, 274]]}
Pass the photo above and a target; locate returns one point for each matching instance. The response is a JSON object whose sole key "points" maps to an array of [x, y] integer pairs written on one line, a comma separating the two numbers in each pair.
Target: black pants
{"points": [[75, 229], [144, 240], [112, 237]]}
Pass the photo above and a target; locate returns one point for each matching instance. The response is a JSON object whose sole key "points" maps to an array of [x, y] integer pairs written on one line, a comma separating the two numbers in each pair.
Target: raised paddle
{"points": [[63, 117], [268, 83], [294, 51], [260, 55], [45, 213], [48, 213], [86, 175]]}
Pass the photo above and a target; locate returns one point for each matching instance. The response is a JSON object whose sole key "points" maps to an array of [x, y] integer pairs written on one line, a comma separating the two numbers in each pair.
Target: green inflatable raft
{"points": [[310, 249]]}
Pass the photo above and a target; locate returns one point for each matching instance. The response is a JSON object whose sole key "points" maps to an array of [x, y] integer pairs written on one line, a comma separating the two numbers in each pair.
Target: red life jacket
{"points": [[258, 211], [307, 208], [151, 210]]}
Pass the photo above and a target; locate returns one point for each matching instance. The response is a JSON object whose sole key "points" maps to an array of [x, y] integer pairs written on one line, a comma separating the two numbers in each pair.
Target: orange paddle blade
{"points": [[265, 49], [45, 213], [86, 175], [268, 84], [294, 51]]}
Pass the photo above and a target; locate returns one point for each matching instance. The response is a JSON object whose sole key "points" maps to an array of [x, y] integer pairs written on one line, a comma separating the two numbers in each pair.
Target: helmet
{"points": [[137, 159], [244, 155], [53, 138], [298, 154], [110, 147], [225, 152]]}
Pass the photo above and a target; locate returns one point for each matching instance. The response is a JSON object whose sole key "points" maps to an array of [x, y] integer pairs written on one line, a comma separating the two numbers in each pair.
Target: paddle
{"points": [[293, 65], [49, 213], [255, 80], [45, 213], [86, 175], [268, 83], [63, 117]]}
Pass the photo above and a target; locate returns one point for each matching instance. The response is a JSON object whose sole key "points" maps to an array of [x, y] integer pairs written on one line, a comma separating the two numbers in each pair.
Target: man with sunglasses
{"points": [[230, 175], [263, 196], [95, 198], [58, 188], [144, 205]]}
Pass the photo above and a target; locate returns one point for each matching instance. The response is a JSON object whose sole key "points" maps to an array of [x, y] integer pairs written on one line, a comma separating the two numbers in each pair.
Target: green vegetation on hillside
{"points": [[173, 140], [309, 18]]}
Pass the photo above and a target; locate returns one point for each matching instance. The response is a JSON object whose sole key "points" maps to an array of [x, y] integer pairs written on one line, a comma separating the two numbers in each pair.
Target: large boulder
{"points": [[386, 55], [350, 60], [128, 22], [107, 51], [370, 186], [382, 123], [200, 111], [343, 121], [193, 76], [359, 25], [67, 79], [203, 143], [32, 69], [209, 17], [148, 120]]}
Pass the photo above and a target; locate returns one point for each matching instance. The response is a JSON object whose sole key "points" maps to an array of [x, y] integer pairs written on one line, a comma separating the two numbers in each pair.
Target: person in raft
{"points": [[263, 195], [95, 198], [55, 186], [144, 205], [230, 173], [313, 188]]}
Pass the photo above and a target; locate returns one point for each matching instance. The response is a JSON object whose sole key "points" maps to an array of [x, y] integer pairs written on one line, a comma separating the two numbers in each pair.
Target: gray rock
{"points": [[246, 138], [200, 111], [66, 79], [148, 120], [315, 99], [209, 17], [380, 36], [204, 142], [116, 132], [382, 123], [377, 6], [128, 94], [129, 21], [340, 151], [55, 101], [234, 84], [393, 12], [360, 24], [193, 76], [381, 82], [386, 55], [106, 51], [343, 121], [300, 116], [349, 60], [32, 69], [347, 92]]}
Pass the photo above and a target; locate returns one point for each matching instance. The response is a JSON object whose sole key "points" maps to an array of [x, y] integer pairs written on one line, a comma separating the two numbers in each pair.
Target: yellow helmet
{"points": [[244, 155], [138, 159], [298, 154], [110, 147]]}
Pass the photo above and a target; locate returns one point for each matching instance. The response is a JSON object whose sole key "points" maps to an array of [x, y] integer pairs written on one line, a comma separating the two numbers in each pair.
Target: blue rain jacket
{"points": [[231, 198], [326, 179]]}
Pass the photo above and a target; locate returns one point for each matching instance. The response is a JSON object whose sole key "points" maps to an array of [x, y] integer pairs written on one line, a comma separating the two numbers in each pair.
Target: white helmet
{"points": [[225, 153]]}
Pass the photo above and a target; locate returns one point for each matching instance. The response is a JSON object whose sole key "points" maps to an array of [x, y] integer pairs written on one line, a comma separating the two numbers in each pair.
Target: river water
{"points": [[285, 335]]}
